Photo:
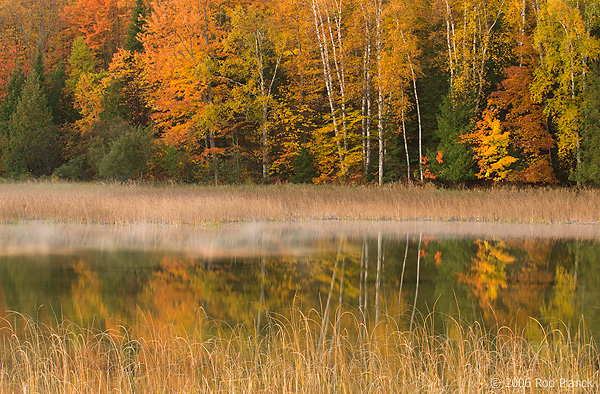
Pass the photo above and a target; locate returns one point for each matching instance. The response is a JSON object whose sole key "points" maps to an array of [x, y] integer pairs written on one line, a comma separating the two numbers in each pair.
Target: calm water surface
{"points": [[107, 276]]}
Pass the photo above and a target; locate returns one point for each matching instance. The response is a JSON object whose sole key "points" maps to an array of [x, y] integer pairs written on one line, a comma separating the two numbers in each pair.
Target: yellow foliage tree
{"points": [[89, 98], [490, 145], [567, 48]]}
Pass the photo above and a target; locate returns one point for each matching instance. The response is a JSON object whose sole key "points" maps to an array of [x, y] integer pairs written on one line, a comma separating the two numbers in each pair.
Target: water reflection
{"points": [[495, 281]]}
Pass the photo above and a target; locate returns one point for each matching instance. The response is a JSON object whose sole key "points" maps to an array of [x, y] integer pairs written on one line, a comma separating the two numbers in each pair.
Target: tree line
{"points": [[321, 91]]}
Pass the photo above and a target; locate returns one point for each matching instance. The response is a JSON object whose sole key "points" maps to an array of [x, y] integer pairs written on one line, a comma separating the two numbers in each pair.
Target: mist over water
{"points": [[258, 238], [496, 274]]}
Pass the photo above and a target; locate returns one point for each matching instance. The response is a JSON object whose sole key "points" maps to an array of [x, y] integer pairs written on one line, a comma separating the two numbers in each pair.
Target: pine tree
{"points": [[59, 101], [9, 106], [304, 168], [590, 143], [33, 145], [136, 27], [53, 86], [38, 66], [13, 93], [454, 121]]}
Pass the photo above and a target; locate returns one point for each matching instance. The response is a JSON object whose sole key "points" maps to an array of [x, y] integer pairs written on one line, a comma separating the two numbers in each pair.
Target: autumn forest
{"points": [[317, 91]]}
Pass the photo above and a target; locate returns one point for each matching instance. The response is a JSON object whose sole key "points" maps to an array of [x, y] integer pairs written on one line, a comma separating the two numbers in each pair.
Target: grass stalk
{"points": [[127, 204], [288, 357]]}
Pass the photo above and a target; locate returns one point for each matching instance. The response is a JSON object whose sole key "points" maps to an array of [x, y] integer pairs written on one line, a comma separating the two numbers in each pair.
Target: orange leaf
{"points": [[440, 156]]}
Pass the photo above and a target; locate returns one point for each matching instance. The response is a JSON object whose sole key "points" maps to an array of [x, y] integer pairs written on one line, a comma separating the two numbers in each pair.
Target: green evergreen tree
{"points": [[590, 142], [38, 66], [136, 27], [33, 144], [9, 106], [304, 168], [13, 94], [454, 121], [53, 86], [60, 101], [114, 103]]}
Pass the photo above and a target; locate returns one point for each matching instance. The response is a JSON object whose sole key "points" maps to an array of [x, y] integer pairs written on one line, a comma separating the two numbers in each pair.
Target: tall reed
{"points": [[122, 204], [304, 353]]}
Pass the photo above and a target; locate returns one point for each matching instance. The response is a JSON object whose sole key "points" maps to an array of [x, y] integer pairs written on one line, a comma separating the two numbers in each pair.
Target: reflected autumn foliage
{"points": [[86, 297], [503, 282], [182, 291], [174, 292], [497, 282], [563, 304], [528, 281], [487, 273]]}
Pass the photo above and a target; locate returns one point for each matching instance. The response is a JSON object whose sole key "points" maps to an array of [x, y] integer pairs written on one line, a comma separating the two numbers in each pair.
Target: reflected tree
{"points": [[487, 274], [563, 305]]}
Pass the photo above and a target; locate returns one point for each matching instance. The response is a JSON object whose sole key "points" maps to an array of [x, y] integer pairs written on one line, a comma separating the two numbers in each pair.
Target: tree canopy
{"points": [[325, 91]]}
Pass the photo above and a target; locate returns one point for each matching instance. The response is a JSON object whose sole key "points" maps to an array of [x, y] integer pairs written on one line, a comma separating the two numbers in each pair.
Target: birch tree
{"points": [[380, 103], [366, 99], [262, 46], [328, 30], [471, 29], [563, 37], [406, 47]]}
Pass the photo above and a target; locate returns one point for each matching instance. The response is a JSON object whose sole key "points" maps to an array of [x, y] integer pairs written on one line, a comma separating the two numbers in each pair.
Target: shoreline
{"points": [[90, 203]]}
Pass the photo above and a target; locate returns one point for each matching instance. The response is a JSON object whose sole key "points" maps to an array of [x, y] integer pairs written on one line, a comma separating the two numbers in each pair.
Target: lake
{"points": [[239, 274]]}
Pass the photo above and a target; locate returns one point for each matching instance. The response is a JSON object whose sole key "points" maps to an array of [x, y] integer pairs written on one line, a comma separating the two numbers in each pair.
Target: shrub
{"points": [[127, 156], [73, 170]]}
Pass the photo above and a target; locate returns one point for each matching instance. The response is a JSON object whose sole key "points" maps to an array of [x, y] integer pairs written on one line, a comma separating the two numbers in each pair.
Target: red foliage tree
{"points": [[526, 122]]}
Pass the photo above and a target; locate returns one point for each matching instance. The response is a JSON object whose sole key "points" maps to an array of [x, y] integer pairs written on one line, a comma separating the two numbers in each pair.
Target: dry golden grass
{"points": [[292, 356], [121, 204]]}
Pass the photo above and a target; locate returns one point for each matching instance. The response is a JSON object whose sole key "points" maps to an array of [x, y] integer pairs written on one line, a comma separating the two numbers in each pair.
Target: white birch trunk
{"points": [[380, 103], [327, 74], [404, 136], [414, 83], [266, 88], [366, 99]]}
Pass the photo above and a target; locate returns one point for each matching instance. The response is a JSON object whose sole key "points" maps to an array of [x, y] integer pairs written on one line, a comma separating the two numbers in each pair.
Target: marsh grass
{"points": [[303, 353], [123, 204]]}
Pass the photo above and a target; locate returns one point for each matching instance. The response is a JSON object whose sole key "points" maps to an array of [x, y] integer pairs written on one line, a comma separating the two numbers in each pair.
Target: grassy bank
{"points": [[293, 356], [120, 204]]}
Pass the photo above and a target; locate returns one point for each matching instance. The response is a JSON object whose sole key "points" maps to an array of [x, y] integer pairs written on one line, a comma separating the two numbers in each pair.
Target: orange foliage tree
{"points": [[182, 45], [103, 24], [33, 26], [128, 74], [526, 122]]}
